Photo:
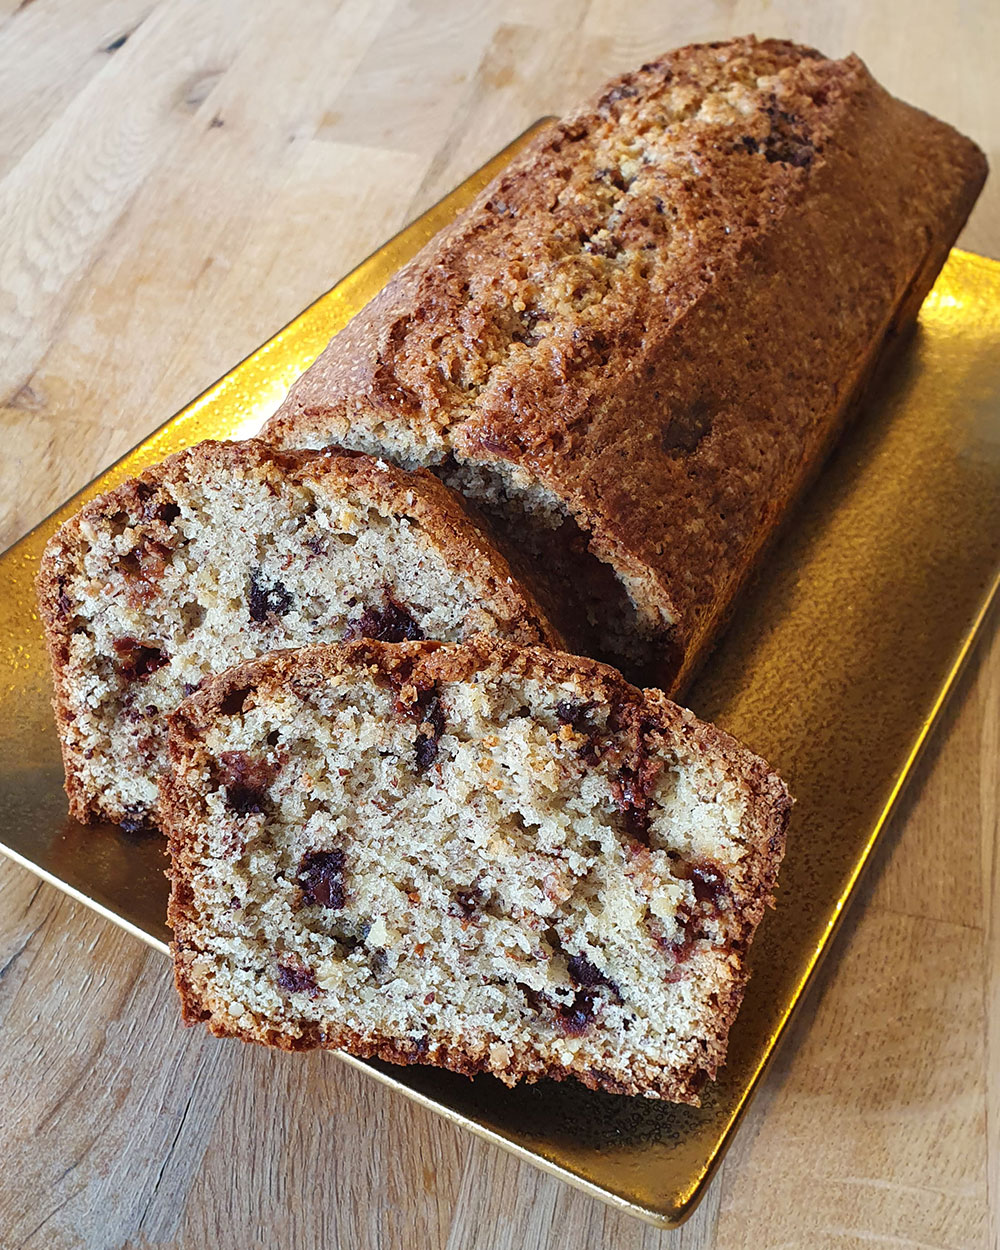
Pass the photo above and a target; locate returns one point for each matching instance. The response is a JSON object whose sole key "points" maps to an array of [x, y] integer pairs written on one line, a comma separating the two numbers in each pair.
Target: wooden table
{"points": [[177, 179]]}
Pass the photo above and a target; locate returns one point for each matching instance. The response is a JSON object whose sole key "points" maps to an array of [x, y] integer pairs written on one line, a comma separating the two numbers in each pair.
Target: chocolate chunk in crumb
{"points": [[234, 702], [297, 980], [138, 659], [633, 802], [687, 428], [264, 598], [134, 821], [576, 715], [575, 1018], [390, 623], [321, 877], [425, 752], [428, 708], [709, 885], [466, 903], [433, 713], [246, 779], [632, 787], [583, 972]]}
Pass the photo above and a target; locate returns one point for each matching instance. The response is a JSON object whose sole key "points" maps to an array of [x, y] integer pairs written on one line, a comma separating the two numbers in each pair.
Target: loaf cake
{"points": [[226, 551], [486, 857], [636, 346]]}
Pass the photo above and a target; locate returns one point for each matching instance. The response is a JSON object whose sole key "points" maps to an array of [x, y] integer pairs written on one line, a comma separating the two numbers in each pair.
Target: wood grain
{"points": [[177, 179]]}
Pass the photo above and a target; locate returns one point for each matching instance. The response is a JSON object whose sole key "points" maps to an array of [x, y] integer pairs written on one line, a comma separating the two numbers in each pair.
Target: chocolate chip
{"points": [[610, 246], [390, 623], [681, 946], [264, 598], [633, 784], [235, 701], [136, 659], [428, 708], [297, 980], [321, 877], [466, 902], [582, 972], [433, 711], [190, 687], [246, 779], [633, 802], [613, 177], [786, 142], [134, 821], [575, 1018], [592, 750], [163, 509], [710, 889], [576, 715], [147, 561], [709, 885], [425, 753]]}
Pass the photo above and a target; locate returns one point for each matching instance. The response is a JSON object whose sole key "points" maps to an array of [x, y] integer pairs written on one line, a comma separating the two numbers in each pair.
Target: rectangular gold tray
{"points": [[834, 669]]}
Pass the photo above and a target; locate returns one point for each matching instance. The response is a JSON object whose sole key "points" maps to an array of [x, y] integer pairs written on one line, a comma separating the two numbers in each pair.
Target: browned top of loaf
{"points": [[440, 512], [652, 311]]}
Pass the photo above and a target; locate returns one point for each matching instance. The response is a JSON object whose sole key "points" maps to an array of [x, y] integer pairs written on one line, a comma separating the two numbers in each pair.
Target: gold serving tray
{"points": [[835, 669]]}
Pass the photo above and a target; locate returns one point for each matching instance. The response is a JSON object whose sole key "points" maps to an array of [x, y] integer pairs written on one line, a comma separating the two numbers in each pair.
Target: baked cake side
{"points": [[637, 345], [226, 551], [484, 857]]}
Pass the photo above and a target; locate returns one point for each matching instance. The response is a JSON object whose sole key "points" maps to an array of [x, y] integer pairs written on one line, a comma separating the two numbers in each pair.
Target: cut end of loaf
{"points": [[489, 858]]}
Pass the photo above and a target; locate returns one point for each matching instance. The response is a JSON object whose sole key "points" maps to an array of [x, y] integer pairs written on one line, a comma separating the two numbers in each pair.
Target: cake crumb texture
{"points": [[229, 550], [482, 856]]}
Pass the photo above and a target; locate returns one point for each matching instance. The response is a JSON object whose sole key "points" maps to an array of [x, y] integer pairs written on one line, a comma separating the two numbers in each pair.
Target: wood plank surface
{"points": [[177, 179]]}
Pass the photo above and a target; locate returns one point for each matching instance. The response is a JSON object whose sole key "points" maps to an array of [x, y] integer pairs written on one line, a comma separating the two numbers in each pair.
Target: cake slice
{"points": [[481, 856], [226, 551]]}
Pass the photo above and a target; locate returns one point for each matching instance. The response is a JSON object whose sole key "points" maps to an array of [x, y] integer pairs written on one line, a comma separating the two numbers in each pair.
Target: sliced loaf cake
{"points": [[639, 342], [229, 550], [480, 856]]}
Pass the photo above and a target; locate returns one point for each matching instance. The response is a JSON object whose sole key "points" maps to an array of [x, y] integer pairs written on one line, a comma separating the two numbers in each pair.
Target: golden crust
{"points": [[759, 262], [426, 665], [420, 496]]}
